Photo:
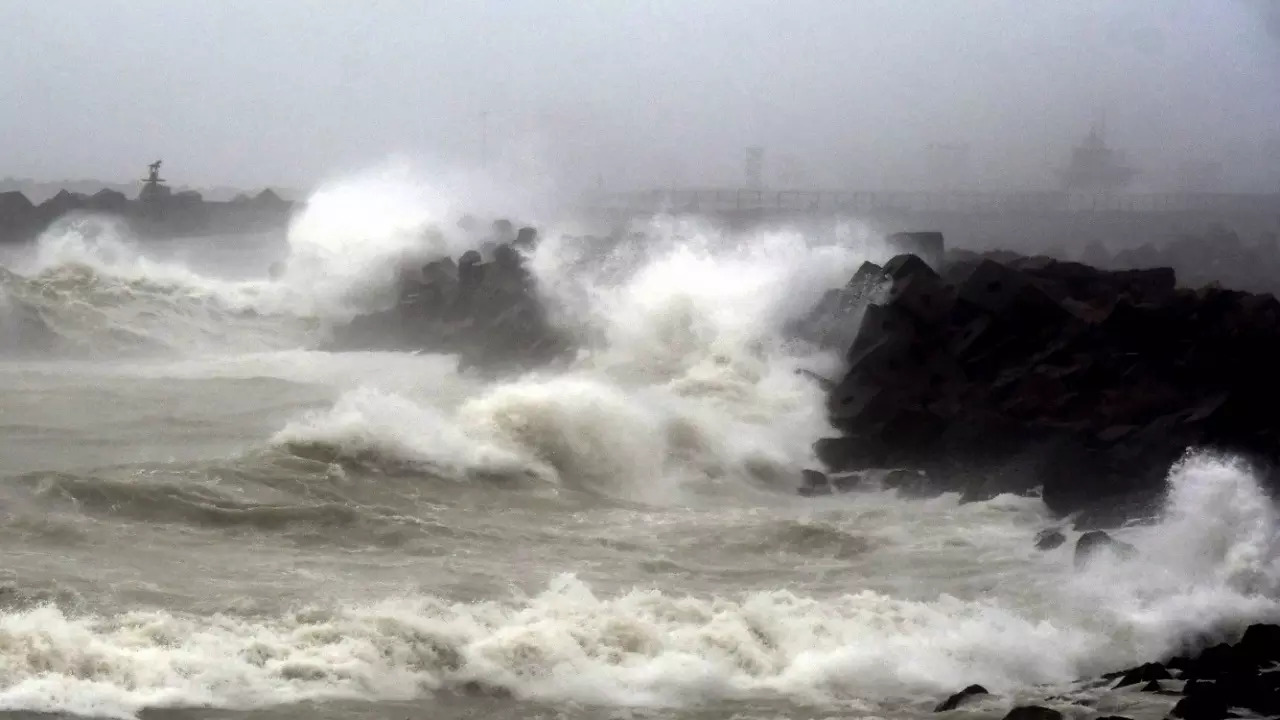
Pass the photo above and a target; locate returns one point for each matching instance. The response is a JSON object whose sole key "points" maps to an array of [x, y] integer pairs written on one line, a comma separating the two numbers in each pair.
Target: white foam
{"points": [[345, 251], [1037, 627], [639, 648], [686, 385], [386, 430], [1209, 567], [355, 234], [348, 244], [642, 648], [104, 247]]}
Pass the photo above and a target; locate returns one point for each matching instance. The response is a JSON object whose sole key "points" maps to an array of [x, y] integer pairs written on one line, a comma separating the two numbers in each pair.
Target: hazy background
{"points": [[840, 93]]}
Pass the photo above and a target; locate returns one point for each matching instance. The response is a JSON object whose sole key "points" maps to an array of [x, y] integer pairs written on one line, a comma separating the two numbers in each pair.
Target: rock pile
{"points": [[1217, 255], [1212, 684], [1219, 679], [485, 312], [182, 213], [1002, 374]]}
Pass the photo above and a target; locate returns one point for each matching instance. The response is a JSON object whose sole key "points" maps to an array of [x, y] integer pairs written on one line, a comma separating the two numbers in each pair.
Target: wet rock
{"points": [[929, 246], [1260, 645], [1049, 539], [1094, 542], [526, 238], [480, 688], [60, 204], [910, 482], [502, 232], [1202, 706], [155, 213], [107, 200], [813, 482], [1153, 686], [18, 220], [1222, 677], [961, 697], [1033, 712], [1150, 672], [842, 452], [832, 322], [846, 482], [507, 257], [1093, 381], [14, 206], [916, 288], [487, 313], [822, 382]]}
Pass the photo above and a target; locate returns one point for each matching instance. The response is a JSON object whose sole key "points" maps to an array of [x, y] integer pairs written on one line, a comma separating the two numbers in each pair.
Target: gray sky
{"points": [[841, 93]]}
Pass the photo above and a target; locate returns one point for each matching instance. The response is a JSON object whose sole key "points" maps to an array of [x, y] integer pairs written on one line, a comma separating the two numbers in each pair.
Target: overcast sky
{"points": [[840, 93]]}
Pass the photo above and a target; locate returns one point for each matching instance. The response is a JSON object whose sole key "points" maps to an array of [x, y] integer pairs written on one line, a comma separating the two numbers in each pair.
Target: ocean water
{"points": [[203, 516]]}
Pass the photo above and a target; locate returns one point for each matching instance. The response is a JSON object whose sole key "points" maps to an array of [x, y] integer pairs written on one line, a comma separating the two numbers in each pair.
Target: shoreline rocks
{"points": [[1211, 683], [1000, 376]]}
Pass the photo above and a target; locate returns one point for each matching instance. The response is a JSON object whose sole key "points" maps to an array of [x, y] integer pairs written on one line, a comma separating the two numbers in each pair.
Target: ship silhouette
{"points": [[1095, 167]]}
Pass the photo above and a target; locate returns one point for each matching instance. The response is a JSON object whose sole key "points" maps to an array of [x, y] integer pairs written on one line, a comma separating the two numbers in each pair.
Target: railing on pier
{"points": [[815, 201]]}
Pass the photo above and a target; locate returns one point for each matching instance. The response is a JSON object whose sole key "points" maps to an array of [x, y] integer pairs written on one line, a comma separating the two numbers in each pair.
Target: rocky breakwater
{"points": [[1215, 683], [160, 215], [485, 310], [996, 376], [1218, 254]]}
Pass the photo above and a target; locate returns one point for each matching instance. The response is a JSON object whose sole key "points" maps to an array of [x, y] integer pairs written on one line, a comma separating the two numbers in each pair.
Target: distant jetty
{"points": [[157, 212]]}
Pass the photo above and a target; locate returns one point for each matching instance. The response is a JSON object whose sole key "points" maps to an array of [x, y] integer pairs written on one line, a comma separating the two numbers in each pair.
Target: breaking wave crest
{"points": [[88, 288], [650, 648], [684, 383]]}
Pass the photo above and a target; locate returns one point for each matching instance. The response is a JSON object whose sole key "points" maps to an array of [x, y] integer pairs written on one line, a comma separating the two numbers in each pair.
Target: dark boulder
{"points": [[1004, 373], [813, 482], [1209, 705], [269, 199], [929, 246], [1260, 645], [910, 483], [14, 206], [527, 237], [1033, 712], [107, 200], [502, 232], [61, 204], [846, 482], [1009, 295], [488, 313], [1153, 686], [1093, 543], [844, 452], [832, 323], [18, 217], [917, 288], [1049, 539], [959, 698], [1150, 672], [1219, 677]]}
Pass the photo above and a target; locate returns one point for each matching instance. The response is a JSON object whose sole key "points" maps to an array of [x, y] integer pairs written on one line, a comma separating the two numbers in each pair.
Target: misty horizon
{"points": [[837, 95]]}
